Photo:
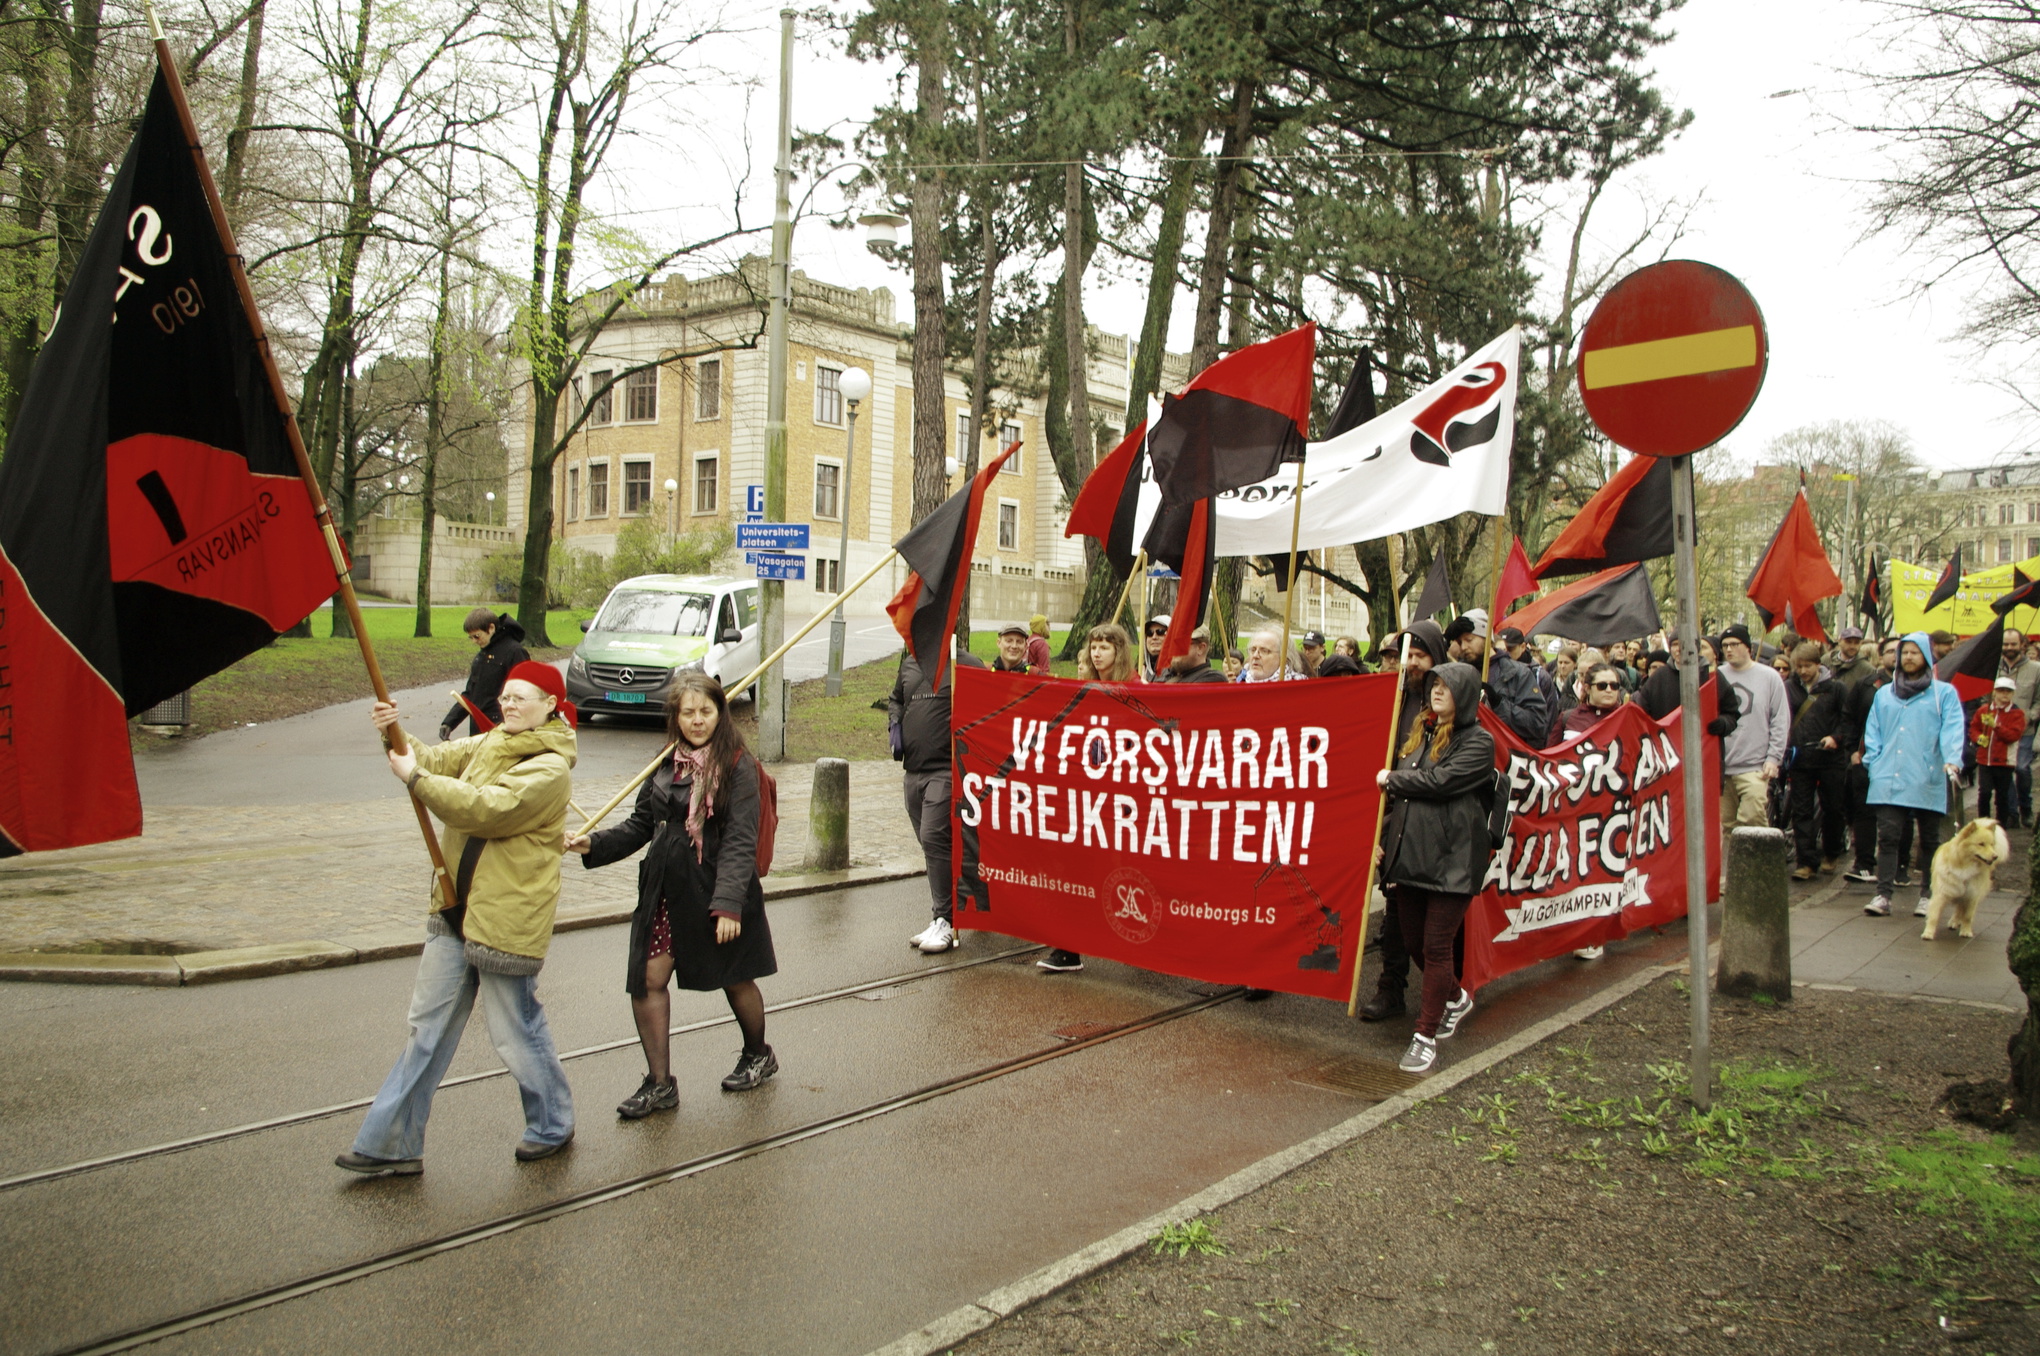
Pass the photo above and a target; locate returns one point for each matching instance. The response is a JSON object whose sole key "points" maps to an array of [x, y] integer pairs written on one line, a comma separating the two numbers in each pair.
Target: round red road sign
{"points": [[1672, 358]]}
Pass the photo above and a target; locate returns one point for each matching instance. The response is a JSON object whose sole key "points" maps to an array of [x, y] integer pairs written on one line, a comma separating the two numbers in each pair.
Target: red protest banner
{"points": [[1214, 832], [1596, 847]]}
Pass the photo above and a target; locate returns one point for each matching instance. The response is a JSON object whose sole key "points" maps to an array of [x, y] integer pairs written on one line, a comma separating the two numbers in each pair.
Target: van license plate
{"points": [[628, 698]]}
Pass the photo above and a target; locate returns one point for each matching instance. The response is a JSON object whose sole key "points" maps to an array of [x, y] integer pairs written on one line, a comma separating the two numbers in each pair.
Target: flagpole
{"points": [[1289, 594], [1139, 568], [590, 821], [1380, 814], [393, 736], [1487, 653]]}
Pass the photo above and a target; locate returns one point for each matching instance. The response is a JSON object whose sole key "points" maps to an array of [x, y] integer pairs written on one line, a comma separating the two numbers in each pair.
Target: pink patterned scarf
{"points": [[701, 803]]}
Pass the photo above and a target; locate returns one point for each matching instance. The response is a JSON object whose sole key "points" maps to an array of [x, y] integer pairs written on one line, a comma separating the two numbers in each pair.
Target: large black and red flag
{"points": [[2025, 593], [1871, 604], [1237, 421], [153, 524], [1948, 584], [1973, 666], [1598, 610], [1629, 518], [1794, 574], [938, 553], [1108, 502]]}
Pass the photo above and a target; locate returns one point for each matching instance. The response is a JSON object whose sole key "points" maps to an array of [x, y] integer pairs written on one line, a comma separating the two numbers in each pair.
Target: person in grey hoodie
{"points": [[1754, 754]]}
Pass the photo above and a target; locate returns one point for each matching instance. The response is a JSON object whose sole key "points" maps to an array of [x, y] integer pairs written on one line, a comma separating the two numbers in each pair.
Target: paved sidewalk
{"points": [[1836, 944], [329, 849]]}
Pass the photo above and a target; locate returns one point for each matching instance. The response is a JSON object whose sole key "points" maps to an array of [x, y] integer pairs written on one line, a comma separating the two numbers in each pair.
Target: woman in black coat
{"points": [[1434, 845], [499, 642], [700, 917]]}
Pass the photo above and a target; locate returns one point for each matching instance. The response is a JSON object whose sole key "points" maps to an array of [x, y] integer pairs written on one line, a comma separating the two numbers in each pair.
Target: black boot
{"points": [[1386, 1003]]}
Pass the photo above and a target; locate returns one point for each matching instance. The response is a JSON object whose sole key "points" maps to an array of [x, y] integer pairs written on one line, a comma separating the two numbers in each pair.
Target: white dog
{"points": [[1962, 875]]}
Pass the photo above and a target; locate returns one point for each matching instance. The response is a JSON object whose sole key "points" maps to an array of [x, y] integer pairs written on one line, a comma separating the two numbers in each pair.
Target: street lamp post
{"points": [[855, 383], [673, 506], [491, 497]]}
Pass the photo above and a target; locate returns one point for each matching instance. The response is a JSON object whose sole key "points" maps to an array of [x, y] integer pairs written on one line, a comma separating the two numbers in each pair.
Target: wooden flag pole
{"points": [[393, 737], [590, 821], [1139, 568], [1289, 594], [1380, 814], [1494, 622]]}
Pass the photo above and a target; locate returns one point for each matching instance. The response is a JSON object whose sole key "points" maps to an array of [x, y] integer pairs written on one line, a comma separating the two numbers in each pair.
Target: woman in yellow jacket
{"points": [[502, 797]]}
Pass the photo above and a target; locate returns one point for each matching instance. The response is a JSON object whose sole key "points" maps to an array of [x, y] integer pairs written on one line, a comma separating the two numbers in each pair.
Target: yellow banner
{"points": [[1969, 610]]}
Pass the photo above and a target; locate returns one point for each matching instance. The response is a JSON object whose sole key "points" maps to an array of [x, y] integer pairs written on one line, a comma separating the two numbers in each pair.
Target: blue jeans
{"points": [[441, 1000]]}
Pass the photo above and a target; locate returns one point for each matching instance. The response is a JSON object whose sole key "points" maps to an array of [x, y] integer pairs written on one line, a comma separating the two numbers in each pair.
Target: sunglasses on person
{"points": [[1605, 687], [1158, 630]]}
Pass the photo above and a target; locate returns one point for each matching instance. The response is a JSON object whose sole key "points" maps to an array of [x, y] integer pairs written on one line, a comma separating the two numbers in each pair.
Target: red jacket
{"points": [[1996, 733]]}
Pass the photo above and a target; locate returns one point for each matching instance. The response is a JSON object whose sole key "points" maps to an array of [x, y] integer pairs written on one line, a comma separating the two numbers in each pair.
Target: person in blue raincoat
{"points": [[1912, 747]]}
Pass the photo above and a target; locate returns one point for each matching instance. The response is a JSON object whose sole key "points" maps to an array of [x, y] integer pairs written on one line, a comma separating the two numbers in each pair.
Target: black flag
{"points": [[1437, 594], [1947, 584]]}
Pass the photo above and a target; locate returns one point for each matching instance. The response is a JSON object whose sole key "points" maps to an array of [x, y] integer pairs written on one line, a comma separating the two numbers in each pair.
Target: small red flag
{"points": [[1517, 578], [1794, 574]]}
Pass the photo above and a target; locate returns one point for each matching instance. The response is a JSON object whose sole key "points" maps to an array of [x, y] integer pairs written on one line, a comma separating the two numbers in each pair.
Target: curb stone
{"points": [[990, 1308], [254, 962]]}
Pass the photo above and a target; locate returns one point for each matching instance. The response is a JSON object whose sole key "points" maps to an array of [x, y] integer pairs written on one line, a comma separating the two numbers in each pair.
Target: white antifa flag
{"points": [[1443, 451]]}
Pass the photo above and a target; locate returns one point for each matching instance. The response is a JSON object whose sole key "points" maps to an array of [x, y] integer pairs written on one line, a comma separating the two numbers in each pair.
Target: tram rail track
{"points": [[199, 1141], [269, 1296]]}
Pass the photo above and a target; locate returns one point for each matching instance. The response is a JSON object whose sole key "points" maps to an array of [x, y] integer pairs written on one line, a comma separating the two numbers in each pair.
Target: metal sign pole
{"points": [[1695, 771]]}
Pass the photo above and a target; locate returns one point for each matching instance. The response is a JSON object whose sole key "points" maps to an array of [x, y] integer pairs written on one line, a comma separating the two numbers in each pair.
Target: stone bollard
{"points": [[1756, 917], [828, 840]]}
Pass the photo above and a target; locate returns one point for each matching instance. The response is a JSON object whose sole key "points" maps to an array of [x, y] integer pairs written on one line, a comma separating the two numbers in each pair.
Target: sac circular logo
{"points": [[1132, 908]]}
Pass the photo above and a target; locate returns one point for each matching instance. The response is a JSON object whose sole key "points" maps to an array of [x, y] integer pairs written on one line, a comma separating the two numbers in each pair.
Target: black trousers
{"points": [[927, 797], [2001, 784], [1862, 818], [1819, 812], [1893, 824]]}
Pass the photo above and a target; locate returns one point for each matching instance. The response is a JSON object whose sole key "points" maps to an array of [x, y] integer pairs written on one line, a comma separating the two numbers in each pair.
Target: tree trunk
{"points": [[1154, 327], [435, 421], [981, 335], [2023, 951], [1225, 192], [931, 437], [350, 490], [78, 201], [36, 175], [1084, 443], [1239, 324], [244, 111]]}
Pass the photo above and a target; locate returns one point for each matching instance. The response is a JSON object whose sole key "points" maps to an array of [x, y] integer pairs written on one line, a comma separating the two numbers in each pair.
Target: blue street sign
{"points": [[754, 517], [772, 536], [771, 565], [754, 498]]}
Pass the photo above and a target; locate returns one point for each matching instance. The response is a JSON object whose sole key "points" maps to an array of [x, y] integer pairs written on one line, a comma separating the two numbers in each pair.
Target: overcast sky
{"points": [[1778, 182]]}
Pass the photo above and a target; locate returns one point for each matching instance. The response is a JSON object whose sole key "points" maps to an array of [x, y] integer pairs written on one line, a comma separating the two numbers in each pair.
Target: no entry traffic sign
{"points": [[1672, 358]]}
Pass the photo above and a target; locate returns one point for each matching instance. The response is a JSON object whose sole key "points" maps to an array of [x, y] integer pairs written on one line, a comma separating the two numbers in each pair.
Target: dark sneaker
{"points": [[380, 1167], [1457, 1011], [1902, 879], [651, 1096], [1257, 995], [1863, 875], [530, 1151], [1383, 1006], [751, 1070], [1062, 962]]}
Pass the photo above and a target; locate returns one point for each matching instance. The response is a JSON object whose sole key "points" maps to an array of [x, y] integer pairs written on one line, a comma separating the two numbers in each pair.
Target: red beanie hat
{"points": [[547, 679]]}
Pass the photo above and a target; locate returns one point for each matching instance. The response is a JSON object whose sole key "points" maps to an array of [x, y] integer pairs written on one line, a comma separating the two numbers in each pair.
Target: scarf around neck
{"points": [[693, 764], [1908, 688]]}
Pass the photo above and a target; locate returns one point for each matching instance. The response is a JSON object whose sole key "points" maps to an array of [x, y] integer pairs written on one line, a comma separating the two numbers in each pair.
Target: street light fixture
{"points": [[855, 384], [673, 505], [491, 497]]}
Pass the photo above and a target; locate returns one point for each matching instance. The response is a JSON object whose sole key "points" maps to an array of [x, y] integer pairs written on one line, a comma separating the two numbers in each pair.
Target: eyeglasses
{"points": [[1605, 687], [1157, 631]]}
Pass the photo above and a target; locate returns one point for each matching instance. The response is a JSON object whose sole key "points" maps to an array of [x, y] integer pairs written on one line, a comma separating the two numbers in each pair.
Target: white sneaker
{"points": [[939, 937], [1920, 909], [1591, 952], [1457, 1011], [1878, 907], [924, 934], [1421, 1055]]}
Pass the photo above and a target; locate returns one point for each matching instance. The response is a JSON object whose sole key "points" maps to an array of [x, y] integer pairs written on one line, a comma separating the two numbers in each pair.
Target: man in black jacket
{"points": [[1821, 745], [501, 642], [921, 715], [1511, 689], [1194, 664], [1862, 815], [1427, 652]]}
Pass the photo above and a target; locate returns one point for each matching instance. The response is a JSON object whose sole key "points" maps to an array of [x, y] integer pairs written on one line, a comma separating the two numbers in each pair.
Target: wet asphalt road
{"points": [[837, 1243]]}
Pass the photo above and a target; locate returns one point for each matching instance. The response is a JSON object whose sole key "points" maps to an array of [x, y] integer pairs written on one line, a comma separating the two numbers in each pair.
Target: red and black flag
{"points": [[1794, 574], [1972, 666], [1598, 610], [1948, 584], [1108, 503], [1516, 579], [1629, 518], [1237, 421], [1871, 604], [153, 524], [2025, 593], [938, 553]]}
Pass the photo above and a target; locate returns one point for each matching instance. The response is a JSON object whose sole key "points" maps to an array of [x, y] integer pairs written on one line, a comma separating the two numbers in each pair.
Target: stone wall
{"points": [[386, 558]]}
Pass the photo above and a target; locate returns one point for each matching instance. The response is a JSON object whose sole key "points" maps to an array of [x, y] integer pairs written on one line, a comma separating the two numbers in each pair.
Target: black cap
{"points": [[1510, 636], [1736, 631], [1316, 638]]}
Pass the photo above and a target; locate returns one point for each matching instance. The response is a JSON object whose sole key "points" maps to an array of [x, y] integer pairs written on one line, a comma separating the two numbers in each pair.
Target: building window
{"points": [[2005, 518], [1009, 525], [2005, 556], [828, 487], [706, 483], [598, 489], [828, 395], [828, 575], [637, 487], [708, 389], [573, 493], [600, 404], [1008, 435], [2032, 546], [641, 396], [963, 437]]}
